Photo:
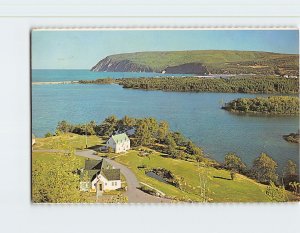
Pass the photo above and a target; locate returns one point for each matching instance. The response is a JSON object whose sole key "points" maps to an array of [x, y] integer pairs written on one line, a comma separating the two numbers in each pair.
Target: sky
{"points": [[66, 49]]}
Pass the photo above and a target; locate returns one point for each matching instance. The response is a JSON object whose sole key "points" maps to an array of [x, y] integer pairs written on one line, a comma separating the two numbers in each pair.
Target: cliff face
{"points": [[107, 64], [189, 68]]}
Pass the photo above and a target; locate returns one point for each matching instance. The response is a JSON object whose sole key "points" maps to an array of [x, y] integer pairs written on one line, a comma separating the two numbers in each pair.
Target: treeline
{"points": [[142, 132], [288, 105], [264, 170], [98, 81], [226, 85]]}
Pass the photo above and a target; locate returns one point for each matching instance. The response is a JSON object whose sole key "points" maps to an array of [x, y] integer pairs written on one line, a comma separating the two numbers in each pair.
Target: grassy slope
{"points": [[221, 190], [72, 140], [160, 60], [50, 156], [242, 189]]}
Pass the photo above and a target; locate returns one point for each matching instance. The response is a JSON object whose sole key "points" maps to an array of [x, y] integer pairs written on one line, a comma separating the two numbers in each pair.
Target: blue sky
{"points": [[83, 49]]}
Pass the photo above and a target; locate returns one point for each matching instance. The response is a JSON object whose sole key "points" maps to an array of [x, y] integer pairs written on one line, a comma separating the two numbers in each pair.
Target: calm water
{"points": [[197, 115], [76, 75]]}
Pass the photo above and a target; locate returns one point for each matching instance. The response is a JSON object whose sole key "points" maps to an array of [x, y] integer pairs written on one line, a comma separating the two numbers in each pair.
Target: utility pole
{"points": [[86, 142]]}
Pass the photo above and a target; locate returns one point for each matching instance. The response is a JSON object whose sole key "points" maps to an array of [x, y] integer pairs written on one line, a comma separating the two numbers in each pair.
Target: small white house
{"points": [[119, 143], [99, 176]]}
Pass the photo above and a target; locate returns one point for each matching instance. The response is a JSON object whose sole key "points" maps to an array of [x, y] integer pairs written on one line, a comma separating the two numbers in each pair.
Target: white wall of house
{"points": [[112, 185], [123, 146], [107, 184], [119, 147], [111, 143]]}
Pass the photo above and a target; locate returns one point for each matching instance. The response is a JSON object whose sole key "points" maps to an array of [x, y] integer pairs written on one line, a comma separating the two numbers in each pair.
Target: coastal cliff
{"points": [[202, 62]]}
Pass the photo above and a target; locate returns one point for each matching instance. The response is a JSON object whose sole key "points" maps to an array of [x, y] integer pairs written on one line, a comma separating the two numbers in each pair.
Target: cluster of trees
{"points": [[81, 129], [272, 104], [98, 81], [144, 132], [57, 180], [264, 170], [226, 85]]}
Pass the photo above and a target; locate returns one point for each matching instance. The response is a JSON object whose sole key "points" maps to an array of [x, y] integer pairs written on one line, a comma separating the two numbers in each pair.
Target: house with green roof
{"points": [[119, 143], [98, 176]]}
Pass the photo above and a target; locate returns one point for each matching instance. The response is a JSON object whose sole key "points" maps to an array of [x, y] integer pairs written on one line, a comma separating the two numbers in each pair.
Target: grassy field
{"points": [[221, 187], [50, 156], [69, 140]]}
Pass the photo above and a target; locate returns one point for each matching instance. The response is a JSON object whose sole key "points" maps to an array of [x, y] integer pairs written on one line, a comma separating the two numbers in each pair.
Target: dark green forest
{"points": [[195, 84], [230, 85]]}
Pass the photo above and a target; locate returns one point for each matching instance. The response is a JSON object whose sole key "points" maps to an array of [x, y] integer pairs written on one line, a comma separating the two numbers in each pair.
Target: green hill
{"points": [[202, 62]]}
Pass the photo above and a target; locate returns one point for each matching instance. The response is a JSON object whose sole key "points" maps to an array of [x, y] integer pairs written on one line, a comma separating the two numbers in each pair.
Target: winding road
{"points": [[134, 194]]}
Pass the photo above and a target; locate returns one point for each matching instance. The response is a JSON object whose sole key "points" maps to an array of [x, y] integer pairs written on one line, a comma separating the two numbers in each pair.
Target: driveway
{"points": [[133, 193]]}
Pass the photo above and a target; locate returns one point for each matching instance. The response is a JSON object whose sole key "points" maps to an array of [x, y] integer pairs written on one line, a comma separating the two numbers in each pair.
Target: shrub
{"points": [[47, 135]]}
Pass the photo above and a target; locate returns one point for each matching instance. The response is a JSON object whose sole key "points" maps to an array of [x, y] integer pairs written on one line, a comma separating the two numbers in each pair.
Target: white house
{"points": [[119, 143], [98, 176]]}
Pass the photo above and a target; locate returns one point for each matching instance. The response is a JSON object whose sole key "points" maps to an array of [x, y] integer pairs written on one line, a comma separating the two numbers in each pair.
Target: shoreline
{"points": [[54, 83]]}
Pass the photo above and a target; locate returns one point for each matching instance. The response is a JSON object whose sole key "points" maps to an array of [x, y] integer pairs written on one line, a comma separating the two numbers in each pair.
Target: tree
{"points": [[233, 174], [47, 135], [169, 140], [126, 123], [63, 127], [192, 149], [290, 174], [143, 133], [264, 169], [108, 126], [277, 194], [179, 139], [234, 162], [152, 126], [172, 152], [163, 130], [290, 168]]}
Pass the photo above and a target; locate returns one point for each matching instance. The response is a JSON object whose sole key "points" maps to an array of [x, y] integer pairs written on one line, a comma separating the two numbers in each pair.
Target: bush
{"points": [[47, 135]]}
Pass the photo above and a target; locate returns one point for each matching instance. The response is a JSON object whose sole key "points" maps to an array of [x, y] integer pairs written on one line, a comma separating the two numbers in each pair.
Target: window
{"points": [[112, 183]]}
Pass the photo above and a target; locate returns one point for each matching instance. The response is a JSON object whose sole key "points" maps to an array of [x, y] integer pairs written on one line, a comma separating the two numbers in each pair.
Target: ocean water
{"points": [[76, 75], [197, 115]]}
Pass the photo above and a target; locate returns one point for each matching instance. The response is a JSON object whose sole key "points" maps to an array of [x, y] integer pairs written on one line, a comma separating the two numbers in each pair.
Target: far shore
{"points": [[61, 82]]}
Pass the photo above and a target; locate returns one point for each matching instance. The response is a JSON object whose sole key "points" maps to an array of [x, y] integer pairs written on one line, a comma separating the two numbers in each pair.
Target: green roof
{"points": [[111, 174], [120, 137], [93, 164], [93, 167]]}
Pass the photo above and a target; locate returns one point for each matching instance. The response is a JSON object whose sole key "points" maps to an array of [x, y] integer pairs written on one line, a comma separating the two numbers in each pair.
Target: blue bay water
{"points": [[76, 75], [197, 115]]}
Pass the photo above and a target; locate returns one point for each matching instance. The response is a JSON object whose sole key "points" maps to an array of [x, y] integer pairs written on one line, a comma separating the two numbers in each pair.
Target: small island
{"points": [[277, 105], [292, 137]]}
